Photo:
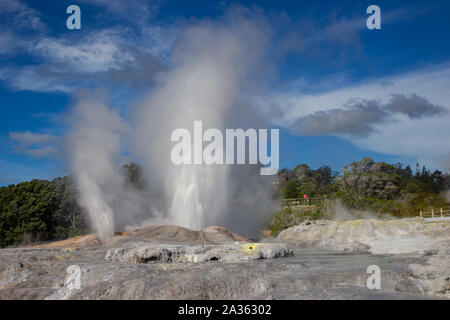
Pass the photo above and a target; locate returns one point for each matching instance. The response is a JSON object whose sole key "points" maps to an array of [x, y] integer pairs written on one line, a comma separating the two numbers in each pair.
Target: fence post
{"points": [[421, 215], [442, 213], [432, 213]]}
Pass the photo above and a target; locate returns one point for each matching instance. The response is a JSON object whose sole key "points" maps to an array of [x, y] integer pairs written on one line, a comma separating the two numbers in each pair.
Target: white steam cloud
{"points": [[94, 147], [342, 213], [213, 68]]}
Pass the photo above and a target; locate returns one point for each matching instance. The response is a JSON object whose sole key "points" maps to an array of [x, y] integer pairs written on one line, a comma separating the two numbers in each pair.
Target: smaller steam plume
{"points": [[94, 142], [341, 213]]}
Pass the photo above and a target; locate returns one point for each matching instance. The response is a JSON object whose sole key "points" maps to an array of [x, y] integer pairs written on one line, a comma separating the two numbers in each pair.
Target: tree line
{"points": [[41, 210], [370, 185]]}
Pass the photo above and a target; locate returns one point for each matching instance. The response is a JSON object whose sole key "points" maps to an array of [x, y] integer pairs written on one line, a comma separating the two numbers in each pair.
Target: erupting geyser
{"points": [[94, 146], [212, 66]]}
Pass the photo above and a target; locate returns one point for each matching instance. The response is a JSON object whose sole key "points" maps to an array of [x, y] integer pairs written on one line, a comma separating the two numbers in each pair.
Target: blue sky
{"points": [[338, 91]]}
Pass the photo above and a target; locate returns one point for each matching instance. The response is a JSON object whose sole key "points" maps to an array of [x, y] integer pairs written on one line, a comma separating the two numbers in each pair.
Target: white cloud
{"points": [[426, 139], [34, 144], [29, 138], [66, 63], [21, 16], [98, 52], [157, 40], [8, 43], [118, 54], [29, 78], [432, 83]]}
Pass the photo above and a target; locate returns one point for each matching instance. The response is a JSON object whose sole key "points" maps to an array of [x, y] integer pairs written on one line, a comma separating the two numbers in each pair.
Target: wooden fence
{"points": [[441, 213]]}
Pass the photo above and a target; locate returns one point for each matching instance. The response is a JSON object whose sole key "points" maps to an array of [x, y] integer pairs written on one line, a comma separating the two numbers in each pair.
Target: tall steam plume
{"points": [[214, 67]]}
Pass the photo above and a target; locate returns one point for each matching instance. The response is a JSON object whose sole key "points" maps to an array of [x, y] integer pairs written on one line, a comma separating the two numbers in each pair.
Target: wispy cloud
{"points": [[19, 23], [115, 54], [97, 52], [329, 35], [17, 14], [36, 78], [34, 144], [405, 114], [414, 106], [358, 119], [9, 42], [134, 11]]}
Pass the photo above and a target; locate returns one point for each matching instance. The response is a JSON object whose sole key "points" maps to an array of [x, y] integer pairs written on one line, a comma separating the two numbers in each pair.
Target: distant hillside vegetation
{"points": [[378, 187], [41, 210], [370, 185]]}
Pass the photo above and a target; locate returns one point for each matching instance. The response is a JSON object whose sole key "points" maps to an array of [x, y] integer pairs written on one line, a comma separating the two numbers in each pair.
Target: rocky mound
{"points": [[227, 253], [78, 241], [175, 244], [156, 234], [177, 234], [376, 236], [154, 262], [429, 238]]}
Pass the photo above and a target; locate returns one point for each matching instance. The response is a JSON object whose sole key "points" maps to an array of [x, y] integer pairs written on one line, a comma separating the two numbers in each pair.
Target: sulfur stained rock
{"points": [[137, 264], [141, 252]]}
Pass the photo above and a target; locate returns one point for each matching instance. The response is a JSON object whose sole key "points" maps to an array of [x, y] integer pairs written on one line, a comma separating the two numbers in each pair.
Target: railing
{"points": [[302, 201], [435, 214]]}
